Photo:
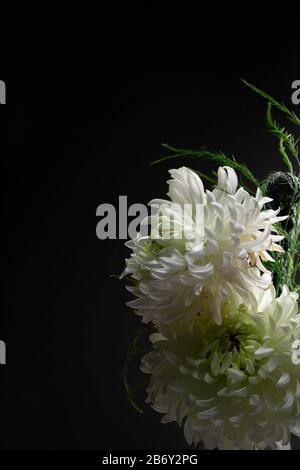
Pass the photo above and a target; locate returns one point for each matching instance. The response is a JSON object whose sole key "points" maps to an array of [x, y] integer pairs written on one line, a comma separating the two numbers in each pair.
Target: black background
{"points": [[91, 97]]}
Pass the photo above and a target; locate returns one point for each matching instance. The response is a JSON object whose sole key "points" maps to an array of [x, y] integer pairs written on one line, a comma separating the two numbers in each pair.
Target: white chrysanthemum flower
{"points": [[235, 385], [202, 245]]}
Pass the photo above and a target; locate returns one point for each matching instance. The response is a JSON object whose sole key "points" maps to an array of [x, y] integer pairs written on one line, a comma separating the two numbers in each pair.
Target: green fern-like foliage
{"points": [[204, 154], [284, 188]]}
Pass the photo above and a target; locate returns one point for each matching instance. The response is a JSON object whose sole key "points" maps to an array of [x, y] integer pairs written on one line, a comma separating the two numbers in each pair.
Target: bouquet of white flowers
{"points": [[216, 280]]}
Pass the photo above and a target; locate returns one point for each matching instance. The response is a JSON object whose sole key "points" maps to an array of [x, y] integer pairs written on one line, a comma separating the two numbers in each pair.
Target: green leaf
{"points": [[281, 106], [203, 153], [133, 350]]}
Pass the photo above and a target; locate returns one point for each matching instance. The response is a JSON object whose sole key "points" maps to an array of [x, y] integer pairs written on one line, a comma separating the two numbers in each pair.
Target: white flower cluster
{"points": [[202, 245], [226, 355]]}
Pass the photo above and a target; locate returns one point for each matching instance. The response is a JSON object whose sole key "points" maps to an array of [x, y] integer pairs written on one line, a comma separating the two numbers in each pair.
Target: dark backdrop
{"points": [[91, 99]]}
